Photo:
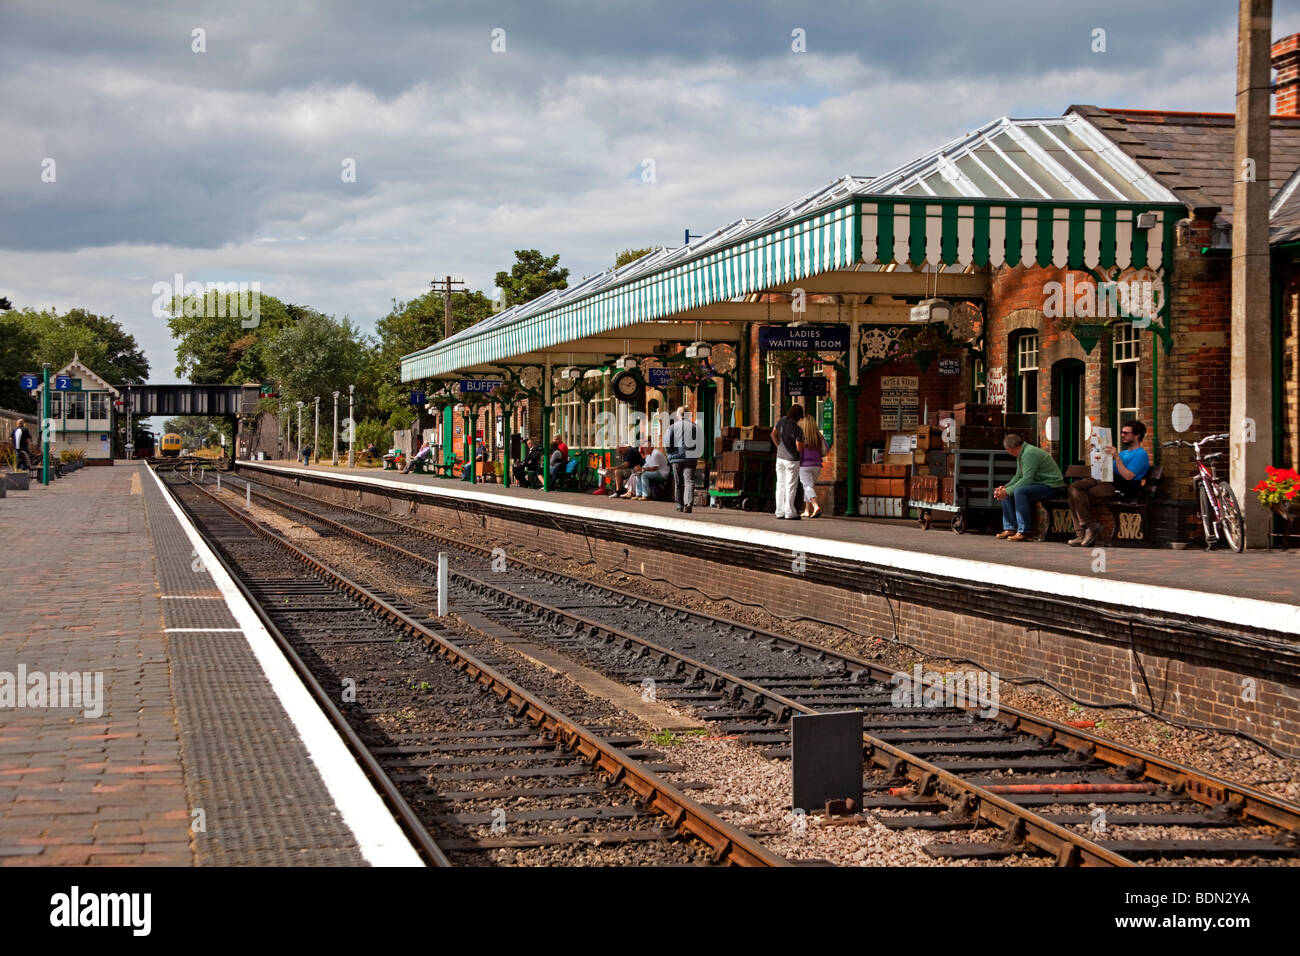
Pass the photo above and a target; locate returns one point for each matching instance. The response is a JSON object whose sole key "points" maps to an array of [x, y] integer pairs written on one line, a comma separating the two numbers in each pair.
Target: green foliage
{"points": [[532, 275], [315, 355], [33, 337], [630, 255], [198, 431], [214, 348], [374, 431]]}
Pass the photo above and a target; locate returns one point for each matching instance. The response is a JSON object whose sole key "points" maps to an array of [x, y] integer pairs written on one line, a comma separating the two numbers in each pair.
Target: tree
{"points": [[315, 355], [198, 431], [531, 276], [630, 255], [34, 337], [214, 346]]}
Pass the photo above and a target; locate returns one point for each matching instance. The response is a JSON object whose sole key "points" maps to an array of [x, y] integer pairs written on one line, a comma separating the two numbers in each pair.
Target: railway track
{"points": [[1040, 785], [475, 767]]}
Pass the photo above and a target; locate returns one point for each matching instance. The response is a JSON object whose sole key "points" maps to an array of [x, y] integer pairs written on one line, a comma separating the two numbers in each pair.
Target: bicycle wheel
{"points": [[1206, 511], [1234, 529]]}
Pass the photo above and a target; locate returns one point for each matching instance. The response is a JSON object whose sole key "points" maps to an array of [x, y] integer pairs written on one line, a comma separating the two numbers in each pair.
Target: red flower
{"points": [[1290, 495]]}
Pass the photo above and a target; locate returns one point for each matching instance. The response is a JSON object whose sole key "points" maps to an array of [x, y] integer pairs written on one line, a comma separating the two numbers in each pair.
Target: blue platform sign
{"points": [[657, 377], [62, 383], [482, 385], [803, 338], [29, 383], [417, 398], [807, 385]]}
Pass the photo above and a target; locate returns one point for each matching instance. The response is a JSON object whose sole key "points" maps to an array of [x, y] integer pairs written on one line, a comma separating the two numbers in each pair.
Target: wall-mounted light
{"points": [[627, 362], [699, 350]]}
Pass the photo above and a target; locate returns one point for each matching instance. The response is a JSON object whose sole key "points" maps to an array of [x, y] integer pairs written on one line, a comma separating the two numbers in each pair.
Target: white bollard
{"points": [[442, 584], [218, 481], [248, 497]]}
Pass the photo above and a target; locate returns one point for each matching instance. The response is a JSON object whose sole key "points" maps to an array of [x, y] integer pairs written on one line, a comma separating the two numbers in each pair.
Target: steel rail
{"points": [[729, 844], [1020, 823], [406, 816], [1203, 787]]}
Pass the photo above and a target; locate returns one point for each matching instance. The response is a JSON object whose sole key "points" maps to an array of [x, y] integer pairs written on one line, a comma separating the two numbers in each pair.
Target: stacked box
{"points": [[937, 463], [979, 436], [731, 431], [927, 438], [949, 491], [753, 444], [883, 471], [745, 431], [981, 416]]}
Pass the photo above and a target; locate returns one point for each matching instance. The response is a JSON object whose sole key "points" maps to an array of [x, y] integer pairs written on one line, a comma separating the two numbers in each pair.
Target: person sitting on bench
{"points": [[649, 480], [1131, 465], [532, 463], [1037, 478], [424, 454]]}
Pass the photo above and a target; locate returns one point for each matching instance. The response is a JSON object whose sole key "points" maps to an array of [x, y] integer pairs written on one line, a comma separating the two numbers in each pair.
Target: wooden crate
{"points": [[981, 416]]}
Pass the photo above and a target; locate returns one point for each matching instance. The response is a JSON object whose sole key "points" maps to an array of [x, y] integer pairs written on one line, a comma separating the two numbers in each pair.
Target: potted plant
{"points": [[1280, 492], [9, 471]]}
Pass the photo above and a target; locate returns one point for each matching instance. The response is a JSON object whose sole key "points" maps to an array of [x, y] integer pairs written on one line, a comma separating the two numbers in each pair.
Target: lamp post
{"points": [[335, 461], [352, 431], [315, 433], [299, 446]]}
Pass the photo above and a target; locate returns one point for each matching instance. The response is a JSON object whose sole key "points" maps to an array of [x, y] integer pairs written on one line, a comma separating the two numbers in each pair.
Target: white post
{"points": [[218, 481], [315, 434], [335, 461], [352, 431], [248, 496], [442, 584]]}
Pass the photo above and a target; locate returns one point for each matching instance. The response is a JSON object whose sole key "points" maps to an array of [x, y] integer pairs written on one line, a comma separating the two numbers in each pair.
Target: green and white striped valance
{"points": [[873, 231]]}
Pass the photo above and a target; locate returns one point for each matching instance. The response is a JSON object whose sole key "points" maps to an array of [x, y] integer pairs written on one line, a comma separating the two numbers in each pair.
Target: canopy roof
{"points": [[1047, 191]]}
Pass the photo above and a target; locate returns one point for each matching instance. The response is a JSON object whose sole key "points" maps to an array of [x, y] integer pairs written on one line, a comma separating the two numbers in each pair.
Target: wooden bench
{"points": [[1125, 522]]}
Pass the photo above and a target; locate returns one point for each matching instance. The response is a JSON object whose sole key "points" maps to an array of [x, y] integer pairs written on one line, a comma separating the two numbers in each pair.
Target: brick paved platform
{"points": [[191, 755], [1257, 575]]}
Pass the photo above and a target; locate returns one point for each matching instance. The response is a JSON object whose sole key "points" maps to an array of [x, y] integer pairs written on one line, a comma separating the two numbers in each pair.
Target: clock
{"points": [[530, 377], [628, 387]]}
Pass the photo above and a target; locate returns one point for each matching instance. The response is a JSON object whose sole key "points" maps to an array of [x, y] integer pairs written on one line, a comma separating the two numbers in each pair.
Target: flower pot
{"points": [[1287, 510], [17, 480]]}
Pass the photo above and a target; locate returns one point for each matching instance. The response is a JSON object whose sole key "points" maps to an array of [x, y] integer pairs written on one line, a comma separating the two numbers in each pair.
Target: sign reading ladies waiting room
{"points": [[803, 338]]}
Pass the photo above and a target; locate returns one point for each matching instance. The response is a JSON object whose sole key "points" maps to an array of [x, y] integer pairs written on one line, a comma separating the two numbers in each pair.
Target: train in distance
{"points": [[170, 446]]}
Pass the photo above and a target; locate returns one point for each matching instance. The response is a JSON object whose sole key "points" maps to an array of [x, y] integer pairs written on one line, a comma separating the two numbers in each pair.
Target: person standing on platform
{"points": [[306, 455], [1037, 478], [684, 448], [22, 439], [810, 468], [787, 436]]}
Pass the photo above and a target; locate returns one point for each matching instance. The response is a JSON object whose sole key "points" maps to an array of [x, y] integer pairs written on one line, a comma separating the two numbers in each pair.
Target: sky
{"points": [[215, 140]]}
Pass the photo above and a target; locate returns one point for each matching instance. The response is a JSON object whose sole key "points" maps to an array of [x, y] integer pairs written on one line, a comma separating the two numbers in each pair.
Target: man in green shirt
{"points": [[1037, 478]]}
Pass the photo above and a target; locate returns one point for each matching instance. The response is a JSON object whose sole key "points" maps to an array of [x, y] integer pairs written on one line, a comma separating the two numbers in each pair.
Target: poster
{"points": [[997, 387], [1103, 465], [899, 403]]}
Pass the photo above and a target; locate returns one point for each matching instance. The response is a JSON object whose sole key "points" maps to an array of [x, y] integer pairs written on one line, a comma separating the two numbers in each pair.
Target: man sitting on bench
{"points": [[1037, 479], [424, 454], [1131, 466], [527, 470]]}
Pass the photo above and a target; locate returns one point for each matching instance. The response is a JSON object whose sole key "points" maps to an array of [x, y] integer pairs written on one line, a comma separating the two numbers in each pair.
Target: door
{"points": [[1068, 411]]}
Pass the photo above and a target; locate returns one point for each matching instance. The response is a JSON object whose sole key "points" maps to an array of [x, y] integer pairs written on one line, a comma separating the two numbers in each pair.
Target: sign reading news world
{"points": [[803, 338]]}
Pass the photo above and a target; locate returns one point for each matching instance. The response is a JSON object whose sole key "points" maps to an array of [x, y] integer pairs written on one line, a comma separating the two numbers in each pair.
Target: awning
{"points": [[1015, 192]]}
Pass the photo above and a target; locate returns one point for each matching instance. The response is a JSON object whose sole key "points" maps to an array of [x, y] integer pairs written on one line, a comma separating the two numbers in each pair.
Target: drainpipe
{"points": [[547, 409], [1278, 387]]}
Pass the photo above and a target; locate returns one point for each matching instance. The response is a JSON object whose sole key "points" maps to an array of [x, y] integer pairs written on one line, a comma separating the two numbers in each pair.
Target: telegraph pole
{"points": [[446, 285], [1251, 423]]}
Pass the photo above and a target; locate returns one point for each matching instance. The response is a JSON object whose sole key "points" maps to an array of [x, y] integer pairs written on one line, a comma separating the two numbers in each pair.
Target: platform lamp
{"points": [[315, 433], [352, 430], [300, 405], [335, 461]]}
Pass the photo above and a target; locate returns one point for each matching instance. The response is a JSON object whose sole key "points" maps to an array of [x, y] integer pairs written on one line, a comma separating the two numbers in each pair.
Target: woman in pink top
{"points": [[810, 467]]}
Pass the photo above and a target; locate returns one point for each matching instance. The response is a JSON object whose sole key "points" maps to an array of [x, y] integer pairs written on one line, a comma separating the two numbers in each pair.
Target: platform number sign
{"points": [[417, 398], [62, 383], [29, 383]]}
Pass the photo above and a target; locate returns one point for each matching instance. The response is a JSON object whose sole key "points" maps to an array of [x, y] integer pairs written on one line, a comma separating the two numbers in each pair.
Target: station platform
{"points": [[179, 736], [1259, 587]]}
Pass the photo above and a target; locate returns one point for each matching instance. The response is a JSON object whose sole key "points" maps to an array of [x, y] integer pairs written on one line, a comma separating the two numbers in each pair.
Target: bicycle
{"points": [[1220, 514]]}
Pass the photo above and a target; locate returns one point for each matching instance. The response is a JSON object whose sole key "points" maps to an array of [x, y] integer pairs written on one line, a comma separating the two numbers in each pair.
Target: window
{"points": [[99, 405], [76, 407], [56, 406], [979, 382], [773, 393], [1126, 349], [1026, 352]]}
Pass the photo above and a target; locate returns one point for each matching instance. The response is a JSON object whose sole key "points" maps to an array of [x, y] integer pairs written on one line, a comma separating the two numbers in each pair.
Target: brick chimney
{"points": [[1286, 60]]}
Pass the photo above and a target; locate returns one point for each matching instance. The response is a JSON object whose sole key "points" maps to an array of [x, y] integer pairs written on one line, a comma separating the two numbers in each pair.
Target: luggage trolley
{"points": [[976, 472]]}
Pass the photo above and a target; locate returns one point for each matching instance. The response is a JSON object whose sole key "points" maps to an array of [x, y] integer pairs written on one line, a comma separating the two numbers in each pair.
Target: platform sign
{"points": [[29, 383], [417, 398], [266, 390], [803, 338], [949, 367], [470, 386], [62, 383], [997, 387], [659, 377], [810, 386], [828, 421]]}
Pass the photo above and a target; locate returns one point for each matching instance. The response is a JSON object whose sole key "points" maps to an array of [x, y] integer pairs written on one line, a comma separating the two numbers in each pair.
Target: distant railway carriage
{"points": [[144, 444], [170, 446]]}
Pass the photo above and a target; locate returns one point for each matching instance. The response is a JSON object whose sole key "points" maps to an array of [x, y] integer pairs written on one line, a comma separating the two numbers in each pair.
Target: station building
{"points": [[1075, 271], [83, 415]]}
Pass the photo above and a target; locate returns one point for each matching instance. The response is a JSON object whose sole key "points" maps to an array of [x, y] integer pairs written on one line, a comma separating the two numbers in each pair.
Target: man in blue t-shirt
{"points": [[1131, 466]]}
